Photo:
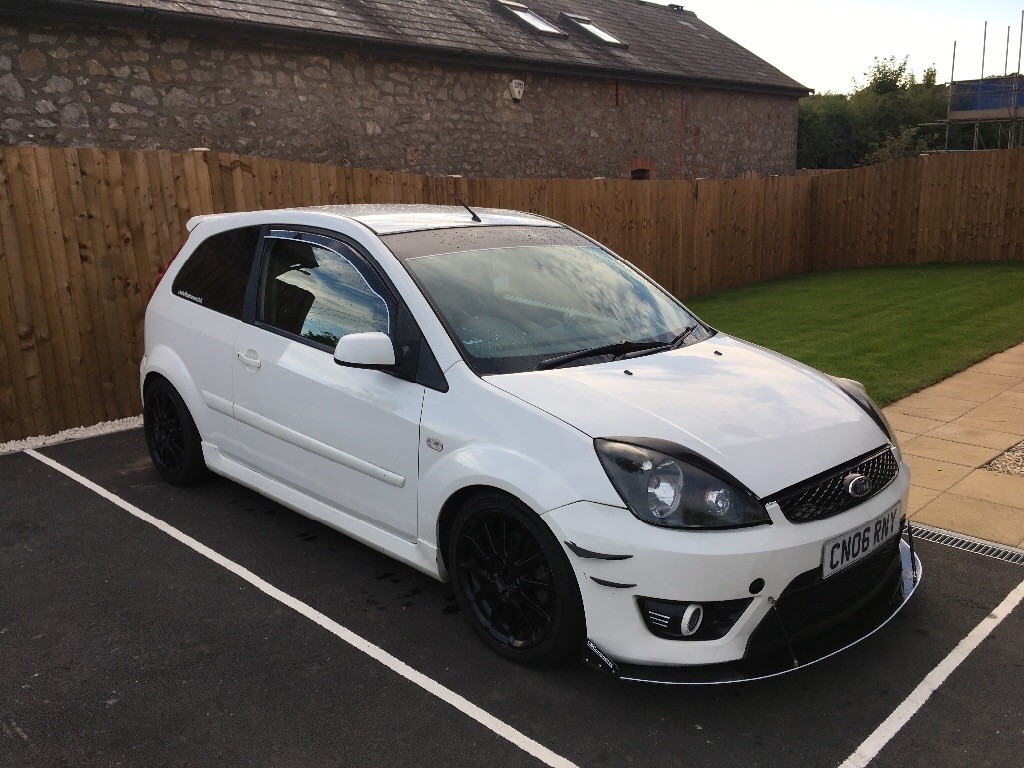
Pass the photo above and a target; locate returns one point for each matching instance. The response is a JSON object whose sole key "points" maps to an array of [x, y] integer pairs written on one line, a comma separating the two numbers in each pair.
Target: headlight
{"points": [[856, 392], [667, 491]]}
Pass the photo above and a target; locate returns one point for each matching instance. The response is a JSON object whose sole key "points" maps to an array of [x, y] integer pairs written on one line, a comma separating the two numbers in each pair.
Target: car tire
{"points": [[514, 583], [175, 446]]}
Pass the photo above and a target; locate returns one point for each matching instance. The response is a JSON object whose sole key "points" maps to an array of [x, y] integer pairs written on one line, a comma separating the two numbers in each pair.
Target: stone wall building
{"points": [[614, 88]]}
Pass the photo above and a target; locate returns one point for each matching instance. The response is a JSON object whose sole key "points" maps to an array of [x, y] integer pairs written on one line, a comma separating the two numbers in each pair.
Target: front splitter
{"points": [[798, 656]]}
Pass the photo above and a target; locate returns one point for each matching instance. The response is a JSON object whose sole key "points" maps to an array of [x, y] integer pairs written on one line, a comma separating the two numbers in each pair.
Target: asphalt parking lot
{"points": [[120, 645]]}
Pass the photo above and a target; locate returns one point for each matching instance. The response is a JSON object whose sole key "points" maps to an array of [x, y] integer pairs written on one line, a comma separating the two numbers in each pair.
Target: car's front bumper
{"points": [[701, 567], [797, 655]]}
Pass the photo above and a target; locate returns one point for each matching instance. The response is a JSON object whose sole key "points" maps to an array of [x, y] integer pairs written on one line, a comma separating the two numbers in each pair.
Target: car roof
{"points": [[392, 218]]}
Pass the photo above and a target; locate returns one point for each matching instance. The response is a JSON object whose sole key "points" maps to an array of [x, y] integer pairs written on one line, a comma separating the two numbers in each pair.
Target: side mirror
{"points": [[365, 350]]}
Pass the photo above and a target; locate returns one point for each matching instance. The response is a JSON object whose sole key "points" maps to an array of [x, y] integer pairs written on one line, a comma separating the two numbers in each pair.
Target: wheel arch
{"points": [[162, 362], [150, 377], [450, 508], [567, 613]]}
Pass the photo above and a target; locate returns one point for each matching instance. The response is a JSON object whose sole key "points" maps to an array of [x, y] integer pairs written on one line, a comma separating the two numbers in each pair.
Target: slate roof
{"points": [[666, 43]]}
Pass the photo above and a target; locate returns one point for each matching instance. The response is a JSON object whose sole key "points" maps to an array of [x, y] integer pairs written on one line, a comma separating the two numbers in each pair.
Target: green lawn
{"points": [[896, 329]]}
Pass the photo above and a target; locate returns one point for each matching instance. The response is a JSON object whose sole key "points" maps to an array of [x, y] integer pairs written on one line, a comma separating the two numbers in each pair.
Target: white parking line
{"points": [[398, 666], [884, 733]]}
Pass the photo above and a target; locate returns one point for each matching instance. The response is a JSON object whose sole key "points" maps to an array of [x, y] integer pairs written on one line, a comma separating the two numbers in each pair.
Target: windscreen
{"points": [[513, 307]]}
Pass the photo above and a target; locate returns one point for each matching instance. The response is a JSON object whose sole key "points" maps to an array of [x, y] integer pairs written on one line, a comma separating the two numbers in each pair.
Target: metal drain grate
{"points": [[967, 544]]}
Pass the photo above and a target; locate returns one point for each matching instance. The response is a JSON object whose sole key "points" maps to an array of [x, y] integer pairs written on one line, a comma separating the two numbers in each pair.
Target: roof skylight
{"points": [[593, 30], [525, 16]]}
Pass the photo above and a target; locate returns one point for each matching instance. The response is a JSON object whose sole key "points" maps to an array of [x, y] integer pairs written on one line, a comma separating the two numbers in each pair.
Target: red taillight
{"points": [[160, 276]]}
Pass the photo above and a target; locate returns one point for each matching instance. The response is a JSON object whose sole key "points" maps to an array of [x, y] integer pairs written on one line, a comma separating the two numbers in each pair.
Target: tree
{"points": [[829, 136], [888, 76], [884, 118]]}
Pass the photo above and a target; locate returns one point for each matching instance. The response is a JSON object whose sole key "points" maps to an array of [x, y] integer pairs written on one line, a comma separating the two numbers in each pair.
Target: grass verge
{"points": [[896, 329]]}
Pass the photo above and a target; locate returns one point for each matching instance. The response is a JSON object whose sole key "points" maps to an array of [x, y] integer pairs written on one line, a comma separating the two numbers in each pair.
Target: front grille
{"points": [[811, 604], [826, 496]]}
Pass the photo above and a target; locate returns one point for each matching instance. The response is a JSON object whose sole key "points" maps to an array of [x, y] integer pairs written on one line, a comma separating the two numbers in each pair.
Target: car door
{"points": [[205, 316], [346, 436]]}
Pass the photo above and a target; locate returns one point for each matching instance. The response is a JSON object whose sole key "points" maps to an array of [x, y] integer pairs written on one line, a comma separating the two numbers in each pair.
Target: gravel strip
{"points": [[75, 433], [1009, 463]]}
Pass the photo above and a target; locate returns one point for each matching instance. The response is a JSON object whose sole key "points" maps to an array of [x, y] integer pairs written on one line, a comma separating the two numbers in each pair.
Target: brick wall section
{"points": [[81, 85]]}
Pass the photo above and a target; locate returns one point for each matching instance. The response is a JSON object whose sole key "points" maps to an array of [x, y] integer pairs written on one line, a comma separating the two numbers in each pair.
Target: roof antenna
{"points": [[455, 194]]}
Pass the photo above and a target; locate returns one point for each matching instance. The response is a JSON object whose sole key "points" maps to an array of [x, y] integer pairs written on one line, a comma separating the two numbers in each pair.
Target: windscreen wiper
{"points": [[676, 343], [617, 349]]}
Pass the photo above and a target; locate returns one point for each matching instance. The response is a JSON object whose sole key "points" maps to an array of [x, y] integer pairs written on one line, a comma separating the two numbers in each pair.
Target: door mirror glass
{"points": [[365, 350]]}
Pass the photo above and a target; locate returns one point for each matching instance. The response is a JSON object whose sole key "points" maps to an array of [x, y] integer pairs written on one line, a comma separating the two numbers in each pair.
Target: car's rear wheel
{"points": [[171, 435], [514, 583]]}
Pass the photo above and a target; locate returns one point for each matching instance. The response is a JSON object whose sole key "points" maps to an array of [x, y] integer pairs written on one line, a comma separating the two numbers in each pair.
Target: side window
{"points": [[217, 273], [310, 287]]}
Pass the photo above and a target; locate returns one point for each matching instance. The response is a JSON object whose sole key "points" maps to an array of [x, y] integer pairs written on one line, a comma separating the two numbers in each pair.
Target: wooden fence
{"points": [[83, 233]]}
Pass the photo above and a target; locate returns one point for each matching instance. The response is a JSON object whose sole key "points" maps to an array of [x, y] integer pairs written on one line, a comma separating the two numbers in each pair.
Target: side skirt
{"points": [[418, 554]]}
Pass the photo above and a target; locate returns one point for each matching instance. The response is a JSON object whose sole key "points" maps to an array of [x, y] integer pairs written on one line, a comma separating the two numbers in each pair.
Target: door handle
{"points": [[250, 358]]}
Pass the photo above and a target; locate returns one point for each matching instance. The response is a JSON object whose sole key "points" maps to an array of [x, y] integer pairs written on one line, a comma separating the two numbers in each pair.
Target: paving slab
{"points": [[984, 519], [930, 447], [919, 496], [992, 486], [1012, 355], [972, 386], [935, 407], [973, 419], [1003, 368], [937, 475], [1003, 408], [949, 432], [963, 432], [914, 425], [1013, 400]]}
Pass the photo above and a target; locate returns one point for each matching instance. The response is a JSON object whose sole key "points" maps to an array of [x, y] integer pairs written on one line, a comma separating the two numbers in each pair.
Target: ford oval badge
{"points": [[857, 485]]}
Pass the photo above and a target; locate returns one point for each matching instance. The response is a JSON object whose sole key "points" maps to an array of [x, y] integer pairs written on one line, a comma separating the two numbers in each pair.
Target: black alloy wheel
{"points": [[165, 433], [514, 583], [171, 435]]}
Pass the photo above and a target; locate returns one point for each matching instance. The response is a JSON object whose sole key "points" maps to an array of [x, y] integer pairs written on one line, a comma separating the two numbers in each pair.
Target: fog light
{"points": [[686, 620], [692, 617]]}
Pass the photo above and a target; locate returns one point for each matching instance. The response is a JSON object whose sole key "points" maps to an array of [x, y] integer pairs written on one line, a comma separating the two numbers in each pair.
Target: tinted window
{"points": [[217, 272], [311, 288]]}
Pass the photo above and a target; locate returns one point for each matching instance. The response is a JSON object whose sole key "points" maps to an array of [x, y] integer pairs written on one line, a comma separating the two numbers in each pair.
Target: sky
{"points": [[825, 44]]}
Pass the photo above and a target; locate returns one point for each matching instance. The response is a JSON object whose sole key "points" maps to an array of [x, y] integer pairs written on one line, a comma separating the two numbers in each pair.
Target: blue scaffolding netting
{"points": [[994, 93]]}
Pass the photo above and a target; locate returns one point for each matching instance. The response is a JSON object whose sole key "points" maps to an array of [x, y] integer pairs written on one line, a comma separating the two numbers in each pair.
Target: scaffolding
{"points": [[989, 100], [993, 100]]}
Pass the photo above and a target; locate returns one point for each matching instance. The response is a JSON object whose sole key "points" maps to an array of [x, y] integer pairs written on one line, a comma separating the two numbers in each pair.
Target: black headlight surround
{"points": [[861, 398], [697, 461]]}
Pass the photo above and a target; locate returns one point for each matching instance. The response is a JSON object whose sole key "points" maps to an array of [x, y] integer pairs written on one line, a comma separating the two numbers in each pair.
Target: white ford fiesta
{"points": [[496, 399]]}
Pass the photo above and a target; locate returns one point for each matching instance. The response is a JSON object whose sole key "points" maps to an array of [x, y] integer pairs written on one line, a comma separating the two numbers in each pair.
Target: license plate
{"points": [[852, 546]]}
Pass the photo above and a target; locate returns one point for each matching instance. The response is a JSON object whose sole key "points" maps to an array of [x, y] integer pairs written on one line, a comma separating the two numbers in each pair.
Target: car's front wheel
{"points": [[514, 583], [171, 435]]}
